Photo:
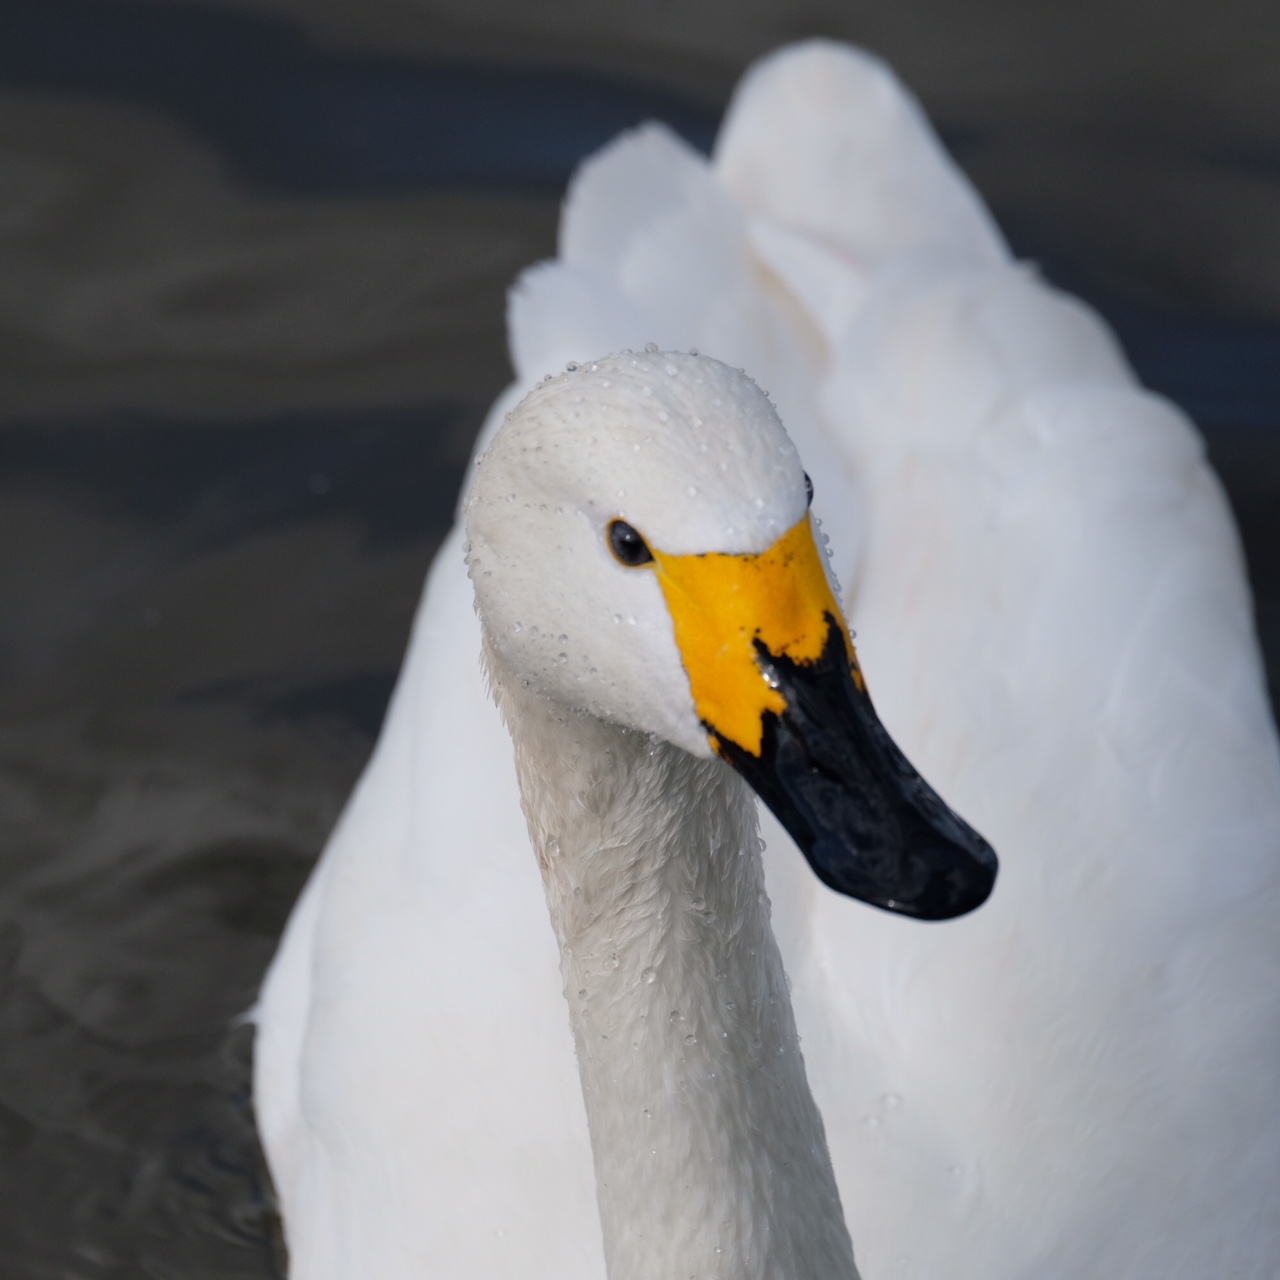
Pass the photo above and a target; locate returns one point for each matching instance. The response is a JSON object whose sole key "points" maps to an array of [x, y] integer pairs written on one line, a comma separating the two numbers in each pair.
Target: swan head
{"points": [[641, 550]]}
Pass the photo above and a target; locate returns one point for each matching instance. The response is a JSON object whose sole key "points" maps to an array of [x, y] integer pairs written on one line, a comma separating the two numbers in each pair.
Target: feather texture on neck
{"points": [[709, 1151]]}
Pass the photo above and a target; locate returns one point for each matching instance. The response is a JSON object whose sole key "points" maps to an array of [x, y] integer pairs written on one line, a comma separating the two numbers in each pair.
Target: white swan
{"points": [[1077, 1080]]}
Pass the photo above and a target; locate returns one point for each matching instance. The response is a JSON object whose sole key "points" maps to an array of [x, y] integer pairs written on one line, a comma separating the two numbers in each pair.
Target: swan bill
{"points": [[868, 823], [777, 686]]}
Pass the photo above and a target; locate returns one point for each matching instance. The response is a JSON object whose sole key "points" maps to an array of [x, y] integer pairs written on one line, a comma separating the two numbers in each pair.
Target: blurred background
{"points": [[252, 271]]}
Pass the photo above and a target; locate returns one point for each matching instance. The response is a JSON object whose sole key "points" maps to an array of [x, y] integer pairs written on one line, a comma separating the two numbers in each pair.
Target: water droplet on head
{"points": [[571, 367], [675, 1016], [691, 1039], [612, 962], [516, 626], [650, 975], [651, 348], [582, 993]]}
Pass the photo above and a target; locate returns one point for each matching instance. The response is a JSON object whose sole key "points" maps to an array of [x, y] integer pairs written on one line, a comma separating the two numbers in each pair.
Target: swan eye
{"points": [[627, 545], [808, 490]]}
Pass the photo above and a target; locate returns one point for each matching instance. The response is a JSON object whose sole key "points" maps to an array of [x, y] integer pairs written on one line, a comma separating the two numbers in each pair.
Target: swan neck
{"points": [[710, 1155]]}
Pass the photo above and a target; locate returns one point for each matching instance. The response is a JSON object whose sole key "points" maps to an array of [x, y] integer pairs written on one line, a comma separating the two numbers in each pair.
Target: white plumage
{"points": [[1078, 1080]]}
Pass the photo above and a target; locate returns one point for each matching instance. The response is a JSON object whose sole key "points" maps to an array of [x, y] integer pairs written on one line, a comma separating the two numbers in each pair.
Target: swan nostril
{"points": [[628, 547], [808, 490]]}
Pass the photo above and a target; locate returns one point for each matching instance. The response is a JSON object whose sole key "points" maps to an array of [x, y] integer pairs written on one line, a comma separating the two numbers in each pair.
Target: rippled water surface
{"points": [[251, 296]]}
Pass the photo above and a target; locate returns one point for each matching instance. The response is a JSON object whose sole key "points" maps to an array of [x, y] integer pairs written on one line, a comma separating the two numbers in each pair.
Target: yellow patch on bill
{"points": [[722, 604]]}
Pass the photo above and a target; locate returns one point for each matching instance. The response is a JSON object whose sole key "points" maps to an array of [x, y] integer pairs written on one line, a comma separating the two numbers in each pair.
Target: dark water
{"points": [[251, 292]]}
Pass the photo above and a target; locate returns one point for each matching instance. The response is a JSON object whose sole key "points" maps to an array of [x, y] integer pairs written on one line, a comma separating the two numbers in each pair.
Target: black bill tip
{"points": [[868, 823]]}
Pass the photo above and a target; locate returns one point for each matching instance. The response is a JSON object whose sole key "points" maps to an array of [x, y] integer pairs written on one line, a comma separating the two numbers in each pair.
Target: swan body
{"points": [[1080, 1078]]}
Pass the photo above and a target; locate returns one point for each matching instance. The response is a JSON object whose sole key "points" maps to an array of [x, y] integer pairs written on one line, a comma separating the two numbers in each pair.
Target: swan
{"points": [[1077, 1079]]}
